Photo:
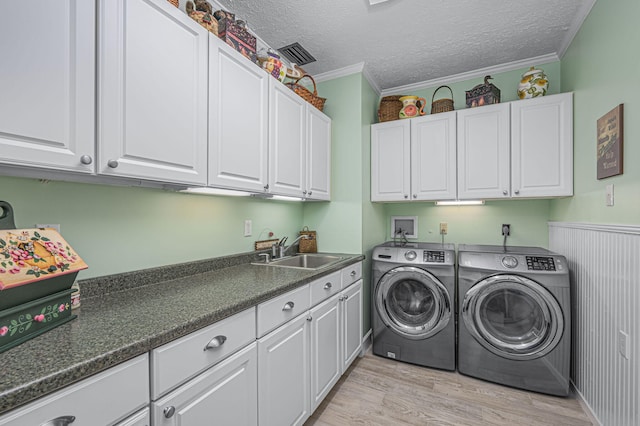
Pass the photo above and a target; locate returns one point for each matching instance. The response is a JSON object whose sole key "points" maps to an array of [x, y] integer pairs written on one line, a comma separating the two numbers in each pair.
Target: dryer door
{"points": [[412, 302], [513, 317]]}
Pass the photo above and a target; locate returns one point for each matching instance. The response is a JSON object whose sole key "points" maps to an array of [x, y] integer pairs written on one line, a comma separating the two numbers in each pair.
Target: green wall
{"points": [[602, 67], [120, 229]]}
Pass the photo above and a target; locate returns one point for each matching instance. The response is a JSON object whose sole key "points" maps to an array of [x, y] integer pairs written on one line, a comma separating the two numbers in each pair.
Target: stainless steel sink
{"points": [[304, 261]]}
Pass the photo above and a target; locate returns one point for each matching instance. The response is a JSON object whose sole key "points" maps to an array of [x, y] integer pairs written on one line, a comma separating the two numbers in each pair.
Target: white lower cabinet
{"points": [[351, 316], [141, 418], [326, 359], [225, 395], [103, 399], [283, 374]]}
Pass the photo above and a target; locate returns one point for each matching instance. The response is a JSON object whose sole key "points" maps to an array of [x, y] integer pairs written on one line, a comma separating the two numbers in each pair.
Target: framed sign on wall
{"points": [[609, 143]]}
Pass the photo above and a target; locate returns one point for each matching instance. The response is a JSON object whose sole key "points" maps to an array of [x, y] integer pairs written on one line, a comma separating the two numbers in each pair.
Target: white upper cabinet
{"points": [[390, 161], [287, 141], [47, 81], [238, 120], [433, 157], [542, 146], [152, 121], [484, 164], [318, 155]]}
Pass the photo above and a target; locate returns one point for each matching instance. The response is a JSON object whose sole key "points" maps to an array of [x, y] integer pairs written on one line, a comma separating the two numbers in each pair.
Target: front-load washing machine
{"points": [[514, 317], [413, 303]]}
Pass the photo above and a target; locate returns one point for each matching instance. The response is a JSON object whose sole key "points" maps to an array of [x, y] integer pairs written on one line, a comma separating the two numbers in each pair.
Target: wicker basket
{"points": [[306, 94], [389, 109], [441, 105], [309, 244]]}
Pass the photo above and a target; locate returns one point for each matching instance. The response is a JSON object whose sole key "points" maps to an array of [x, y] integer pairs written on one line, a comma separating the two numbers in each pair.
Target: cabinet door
{"points": [[238, 119], [542, 146], [287, 141], [390, 161], [141, 418], [352, 323], [152, 92], [47, 82], [433, 157], [483, 152], [224, 395], [318, 155], [283, 374], [326, 362]]}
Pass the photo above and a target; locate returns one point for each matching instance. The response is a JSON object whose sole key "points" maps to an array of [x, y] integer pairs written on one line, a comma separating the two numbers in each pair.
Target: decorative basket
{"points": [[441, 105], [309, 244], [306, 94], [389, 109]]}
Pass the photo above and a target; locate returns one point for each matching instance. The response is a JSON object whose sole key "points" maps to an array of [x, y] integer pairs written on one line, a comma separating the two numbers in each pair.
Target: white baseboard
{"points": [[585, 405], [367, 342]]}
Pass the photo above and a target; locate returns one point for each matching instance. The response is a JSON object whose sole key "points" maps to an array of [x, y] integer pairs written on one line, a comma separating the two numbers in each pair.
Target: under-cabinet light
{"points": [[216, 191], [276, 197], [460, 203]]}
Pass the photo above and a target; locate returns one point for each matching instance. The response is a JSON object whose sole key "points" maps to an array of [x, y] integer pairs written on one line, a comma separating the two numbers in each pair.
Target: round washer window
{"points": [[413, 302], [513, 316]]}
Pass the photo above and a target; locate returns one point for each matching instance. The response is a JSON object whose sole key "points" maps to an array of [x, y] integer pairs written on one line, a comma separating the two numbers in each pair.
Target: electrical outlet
{"points": [[623, 344], [444, 227], [506, 229], [247, 228], [55, 226]]}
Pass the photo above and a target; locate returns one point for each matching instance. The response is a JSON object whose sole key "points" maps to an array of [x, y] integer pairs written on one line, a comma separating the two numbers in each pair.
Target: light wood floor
{"points": [[379, 391]]}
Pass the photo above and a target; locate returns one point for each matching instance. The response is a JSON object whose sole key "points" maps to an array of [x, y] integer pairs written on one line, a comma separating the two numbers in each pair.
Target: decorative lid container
{"points": [[534, 83]]}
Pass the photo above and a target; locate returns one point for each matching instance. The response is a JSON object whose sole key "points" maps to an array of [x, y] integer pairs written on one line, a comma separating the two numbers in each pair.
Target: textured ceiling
{"points": [[405, 42]]}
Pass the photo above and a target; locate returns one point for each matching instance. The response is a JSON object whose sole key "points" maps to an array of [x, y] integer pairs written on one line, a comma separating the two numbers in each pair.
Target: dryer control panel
{"points": [[540, 263]]}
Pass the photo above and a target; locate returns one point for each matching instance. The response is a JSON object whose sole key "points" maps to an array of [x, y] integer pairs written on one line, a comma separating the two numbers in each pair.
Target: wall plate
{"points": [[406, 224]]}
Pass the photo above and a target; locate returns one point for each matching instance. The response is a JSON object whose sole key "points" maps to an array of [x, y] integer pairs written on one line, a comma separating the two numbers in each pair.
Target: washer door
{"points": [[412, 302], [513, 317]]}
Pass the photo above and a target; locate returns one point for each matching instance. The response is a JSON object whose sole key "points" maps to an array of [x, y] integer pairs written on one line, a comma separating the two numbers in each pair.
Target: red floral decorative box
{"points": [[37, 270], [238, 37]]}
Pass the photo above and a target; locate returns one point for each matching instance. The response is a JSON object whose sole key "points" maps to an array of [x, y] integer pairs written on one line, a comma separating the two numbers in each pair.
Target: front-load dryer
{"points": [[413, 303], [514, 317]]}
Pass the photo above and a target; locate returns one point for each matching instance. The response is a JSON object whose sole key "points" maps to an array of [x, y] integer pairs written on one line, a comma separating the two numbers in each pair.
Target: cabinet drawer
{"points": [[141, 418], [281, 309], [351, 274], [325, 287], [102, 399], [178, 361]]}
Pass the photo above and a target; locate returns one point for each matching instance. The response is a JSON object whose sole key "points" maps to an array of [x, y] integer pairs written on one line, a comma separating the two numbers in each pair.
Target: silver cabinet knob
{"points": [[415, 196], [112, 163], [288, 306], [60, 421], [353, 273], [169, 411], [327, 286], [310, 192], [517, 191], [216, 342], [86, 159], [505, 192], [304, 192], [406, 196], [266, 187]]}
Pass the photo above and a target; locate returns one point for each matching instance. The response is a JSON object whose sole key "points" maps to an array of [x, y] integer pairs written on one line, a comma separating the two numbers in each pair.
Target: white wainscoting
{"points": [[604, 261]]}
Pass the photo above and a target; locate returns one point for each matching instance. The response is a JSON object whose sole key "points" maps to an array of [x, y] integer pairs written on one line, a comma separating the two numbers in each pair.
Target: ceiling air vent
{"points": [[297, 54]]}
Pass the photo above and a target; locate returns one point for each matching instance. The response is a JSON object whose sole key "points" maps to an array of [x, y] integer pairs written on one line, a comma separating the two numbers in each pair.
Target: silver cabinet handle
{"points": [[517, 191], [505, 192], [288, 306], [169, 411], [327, 286], [86, 159], [112, 163], [216, 342], [60, 421], [353, 273]]}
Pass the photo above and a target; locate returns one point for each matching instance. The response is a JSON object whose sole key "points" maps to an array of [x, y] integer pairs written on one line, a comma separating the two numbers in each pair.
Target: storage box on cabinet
{"points": [[283, 308], [103, 399], [182, 359]]}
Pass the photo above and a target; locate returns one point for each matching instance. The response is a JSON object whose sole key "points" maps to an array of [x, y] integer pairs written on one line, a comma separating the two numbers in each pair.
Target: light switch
{"points": [[609, 200]]}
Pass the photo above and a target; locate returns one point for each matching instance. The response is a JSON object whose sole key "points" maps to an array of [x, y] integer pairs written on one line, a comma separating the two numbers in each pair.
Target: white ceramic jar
{"points": [[534, 83]]}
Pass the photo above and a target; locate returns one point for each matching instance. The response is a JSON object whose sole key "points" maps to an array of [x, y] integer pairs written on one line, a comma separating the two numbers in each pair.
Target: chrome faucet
{"points": [[283, 249]]}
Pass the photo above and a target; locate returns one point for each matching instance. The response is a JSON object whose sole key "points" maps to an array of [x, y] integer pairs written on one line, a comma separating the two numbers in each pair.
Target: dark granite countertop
{"points": [[125, 315]]}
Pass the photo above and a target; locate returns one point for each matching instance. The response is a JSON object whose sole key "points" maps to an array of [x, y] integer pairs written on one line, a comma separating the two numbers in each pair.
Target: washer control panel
{"points": [[540, 263], [416, 254], [433, 256]]}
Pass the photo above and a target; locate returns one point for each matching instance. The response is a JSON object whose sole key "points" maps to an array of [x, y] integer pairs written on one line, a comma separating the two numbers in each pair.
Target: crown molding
{"points": [[575, 26], [349, 70], [510, 66]]}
